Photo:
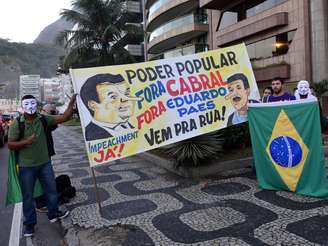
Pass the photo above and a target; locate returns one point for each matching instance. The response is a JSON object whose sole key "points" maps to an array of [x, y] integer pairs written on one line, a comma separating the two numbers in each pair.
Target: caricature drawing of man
{"points": [[109, 101], [239, 91]]}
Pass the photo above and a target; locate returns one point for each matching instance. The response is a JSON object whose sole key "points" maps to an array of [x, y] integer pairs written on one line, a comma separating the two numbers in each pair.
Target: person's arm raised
{"points": [[68, 112]]}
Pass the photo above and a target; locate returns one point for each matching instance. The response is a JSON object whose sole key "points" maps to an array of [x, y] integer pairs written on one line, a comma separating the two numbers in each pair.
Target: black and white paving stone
{"points": [[165, 209]]}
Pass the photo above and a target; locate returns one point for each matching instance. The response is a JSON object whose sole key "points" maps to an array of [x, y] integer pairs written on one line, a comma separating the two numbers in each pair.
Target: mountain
{"points": [[49, 33], [21, 58]]}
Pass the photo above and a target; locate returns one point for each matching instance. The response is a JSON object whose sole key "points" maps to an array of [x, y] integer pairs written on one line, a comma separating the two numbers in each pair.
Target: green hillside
{"points": [[21, 58]]}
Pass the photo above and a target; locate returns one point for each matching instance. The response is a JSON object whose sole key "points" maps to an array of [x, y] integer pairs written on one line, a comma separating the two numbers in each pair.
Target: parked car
{"points": [[4, 127]]}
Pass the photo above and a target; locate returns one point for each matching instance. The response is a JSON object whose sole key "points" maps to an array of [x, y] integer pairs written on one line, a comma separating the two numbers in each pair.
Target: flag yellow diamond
{"points": [[287, 151]]}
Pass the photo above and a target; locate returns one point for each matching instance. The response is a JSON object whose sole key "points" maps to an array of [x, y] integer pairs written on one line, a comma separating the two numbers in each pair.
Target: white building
{"points": [[8, 105], [29, 85], [52, 90]]}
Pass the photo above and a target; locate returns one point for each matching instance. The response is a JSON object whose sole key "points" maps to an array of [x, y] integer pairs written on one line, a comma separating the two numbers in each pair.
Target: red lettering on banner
{"points": [[151, 114], [110, 153], [195, 83], [169, 88]]}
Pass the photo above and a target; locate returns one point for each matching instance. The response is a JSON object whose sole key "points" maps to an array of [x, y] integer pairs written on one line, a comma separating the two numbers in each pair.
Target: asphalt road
{"points": [[6, 213]]}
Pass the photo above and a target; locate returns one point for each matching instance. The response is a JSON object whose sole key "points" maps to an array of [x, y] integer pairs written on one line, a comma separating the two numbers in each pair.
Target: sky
{"points": [[23, 20]]}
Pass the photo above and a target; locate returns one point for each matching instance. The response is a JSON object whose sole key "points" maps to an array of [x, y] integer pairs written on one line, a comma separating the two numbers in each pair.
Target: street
{"points": [[6, 213]]}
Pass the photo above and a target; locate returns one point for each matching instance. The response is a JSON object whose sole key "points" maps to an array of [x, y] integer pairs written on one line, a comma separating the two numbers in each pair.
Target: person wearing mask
{"points": [[303, 90], [34, 159]]}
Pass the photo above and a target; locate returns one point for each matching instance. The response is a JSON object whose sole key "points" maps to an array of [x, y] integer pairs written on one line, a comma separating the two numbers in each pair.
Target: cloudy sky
{"points": [[22, 20]]}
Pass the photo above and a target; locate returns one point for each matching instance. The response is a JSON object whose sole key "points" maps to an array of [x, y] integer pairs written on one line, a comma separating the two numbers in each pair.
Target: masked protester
{"points": [[27, 136], [48, 109], [303, 90]]}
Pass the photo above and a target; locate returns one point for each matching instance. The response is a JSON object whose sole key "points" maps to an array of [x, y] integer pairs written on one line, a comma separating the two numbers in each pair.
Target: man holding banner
{"points": [[27, 137]]}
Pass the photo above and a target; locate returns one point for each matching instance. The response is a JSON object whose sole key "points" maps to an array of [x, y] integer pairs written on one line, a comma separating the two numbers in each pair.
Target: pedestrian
{"points": [[34, 161], [48, 109], [267, 92], [279, 94]]}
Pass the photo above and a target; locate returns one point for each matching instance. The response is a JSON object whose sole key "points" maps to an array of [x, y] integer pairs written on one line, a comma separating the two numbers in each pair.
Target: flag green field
{"points": [[287, 147]]}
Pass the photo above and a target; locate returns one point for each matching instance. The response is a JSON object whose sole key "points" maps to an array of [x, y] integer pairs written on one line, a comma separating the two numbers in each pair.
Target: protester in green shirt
{"points": [[34, 159]]}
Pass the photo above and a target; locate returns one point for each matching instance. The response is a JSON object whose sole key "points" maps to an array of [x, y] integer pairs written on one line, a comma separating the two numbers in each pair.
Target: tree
{"points": [[95, 39], [320, 88]]}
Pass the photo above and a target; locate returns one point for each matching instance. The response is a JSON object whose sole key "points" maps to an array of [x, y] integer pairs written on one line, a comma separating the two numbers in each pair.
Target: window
{"points": [[245, 10], [228, 19], [179, 22], [270, 47], [265, 5]]}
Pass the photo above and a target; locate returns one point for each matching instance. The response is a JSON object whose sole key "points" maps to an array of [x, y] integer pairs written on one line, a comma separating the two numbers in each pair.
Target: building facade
{"points": [[174, 28], [284, 38], [52, 91], [134, 44], [30, 85]]}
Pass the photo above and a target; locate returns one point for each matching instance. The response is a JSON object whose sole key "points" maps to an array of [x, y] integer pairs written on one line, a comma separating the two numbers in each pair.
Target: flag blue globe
{"points": [[286, 151]]}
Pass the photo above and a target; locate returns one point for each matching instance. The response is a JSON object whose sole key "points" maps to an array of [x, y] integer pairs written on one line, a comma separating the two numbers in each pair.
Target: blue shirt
{"points": [[285, 97]]}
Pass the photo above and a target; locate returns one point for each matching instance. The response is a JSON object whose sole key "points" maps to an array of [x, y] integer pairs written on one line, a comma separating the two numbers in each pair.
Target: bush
{"points": [[192, 151], [236, 136]]}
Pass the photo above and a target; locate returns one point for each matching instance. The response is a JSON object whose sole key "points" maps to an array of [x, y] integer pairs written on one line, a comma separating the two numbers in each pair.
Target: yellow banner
{"points": [[129, 109]]}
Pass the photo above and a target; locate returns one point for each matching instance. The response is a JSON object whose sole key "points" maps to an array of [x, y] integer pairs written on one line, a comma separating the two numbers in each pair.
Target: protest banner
{"points": [[128, 109]]}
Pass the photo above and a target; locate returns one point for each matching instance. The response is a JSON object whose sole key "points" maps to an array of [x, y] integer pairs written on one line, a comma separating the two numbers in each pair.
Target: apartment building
{"points": [[132, 43], [174, 28], [284, 38], [52, 90]]}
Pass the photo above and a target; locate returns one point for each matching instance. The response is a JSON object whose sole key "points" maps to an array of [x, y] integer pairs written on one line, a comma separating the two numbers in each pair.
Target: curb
{"points": [[213, 167]]}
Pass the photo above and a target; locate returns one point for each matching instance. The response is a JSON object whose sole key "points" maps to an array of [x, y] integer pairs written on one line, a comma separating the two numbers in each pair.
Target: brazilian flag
{"points": [[287, 147], [14, 193]]}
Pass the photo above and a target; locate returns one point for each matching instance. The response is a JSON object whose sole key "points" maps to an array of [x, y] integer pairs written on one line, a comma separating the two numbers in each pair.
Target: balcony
{"points": [[270, 72], [249, 27], [135, 49], [182, 51], [178, 31], [214, 4], [165, 10]]}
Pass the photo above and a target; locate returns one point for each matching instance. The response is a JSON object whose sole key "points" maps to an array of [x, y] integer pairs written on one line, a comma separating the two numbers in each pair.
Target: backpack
{"points": [[47, 130], [65, 189]]}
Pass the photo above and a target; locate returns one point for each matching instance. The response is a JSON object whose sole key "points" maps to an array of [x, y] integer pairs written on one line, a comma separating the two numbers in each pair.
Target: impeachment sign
{"points": [[133, 108]]}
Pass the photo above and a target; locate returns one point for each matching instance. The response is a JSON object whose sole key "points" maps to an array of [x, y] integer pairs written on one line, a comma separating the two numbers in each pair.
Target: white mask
{"points": [[303, 87], [29, 105]]}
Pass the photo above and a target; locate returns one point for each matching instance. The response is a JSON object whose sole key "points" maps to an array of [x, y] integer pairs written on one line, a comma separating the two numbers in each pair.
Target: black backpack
{"points": [[47, 130], [65, 189]]}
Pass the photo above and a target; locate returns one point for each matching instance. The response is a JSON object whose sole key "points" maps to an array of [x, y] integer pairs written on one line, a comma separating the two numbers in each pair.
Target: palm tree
{"points": [[94, 40], [320, 88]]}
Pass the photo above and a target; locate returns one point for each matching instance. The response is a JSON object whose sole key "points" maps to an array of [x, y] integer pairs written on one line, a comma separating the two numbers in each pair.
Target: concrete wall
{"points": [[299, 51], [319, 19]]}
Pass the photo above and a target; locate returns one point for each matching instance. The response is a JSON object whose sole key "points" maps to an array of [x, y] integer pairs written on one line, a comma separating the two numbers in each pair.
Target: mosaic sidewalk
{"points": [[161, 208]]}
